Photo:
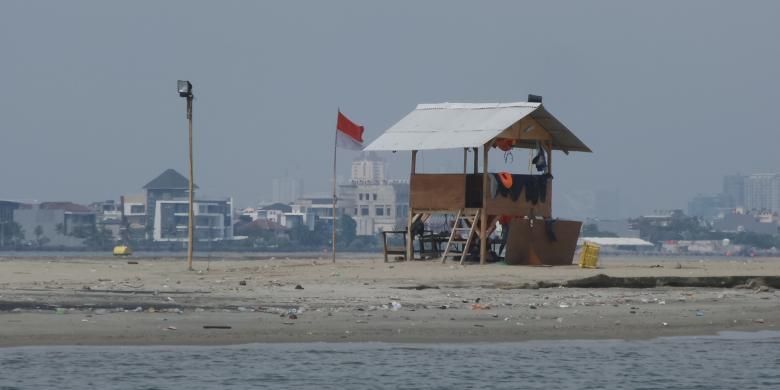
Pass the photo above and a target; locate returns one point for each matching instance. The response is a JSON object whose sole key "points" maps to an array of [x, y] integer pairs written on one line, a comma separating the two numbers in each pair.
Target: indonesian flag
{"points": [[349, 135]]}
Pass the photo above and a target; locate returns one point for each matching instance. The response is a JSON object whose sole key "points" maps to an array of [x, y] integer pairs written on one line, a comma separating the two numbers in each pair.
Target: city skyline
{"points": [[659, 105]]}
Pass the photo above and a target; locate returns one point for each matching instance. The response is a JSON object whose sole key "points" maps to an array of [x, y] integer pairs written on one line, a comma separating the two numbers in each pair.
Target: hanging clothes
{"points": [[541, 183], [540, 161]]}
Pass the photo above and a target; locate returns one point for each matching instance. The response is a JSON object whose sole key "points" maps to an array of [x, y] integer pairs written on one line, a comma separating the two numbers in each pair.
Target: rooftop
{"points": [[169, 180]]}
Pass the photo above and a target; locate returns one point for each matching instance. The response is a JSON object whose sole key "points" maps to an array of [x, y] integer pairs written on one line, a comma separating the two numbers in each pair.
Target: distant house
{"points": [[259, 227], [109, 217], [56, 223], [167, 211], [134, 210], [7, 208], [742, 222]]}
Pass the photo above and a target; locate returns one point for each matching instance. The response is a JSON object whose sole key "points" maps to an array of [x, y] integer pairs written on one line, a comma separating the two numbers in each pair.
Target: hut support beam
{"points": [[409, 236], [465, 160], [476, 160], [484, 220]]}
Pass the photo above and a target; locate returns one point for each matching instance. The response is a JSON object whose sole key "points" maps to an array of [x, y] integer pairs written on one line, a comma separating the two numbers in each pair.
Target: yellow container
{"points": [[590, 255], [122, 250]]}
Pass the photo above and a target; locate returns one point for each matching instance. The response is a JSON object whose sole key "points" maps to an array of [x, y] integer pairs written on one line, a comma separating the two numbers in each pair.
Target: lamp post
{"points": [[185, 91]]}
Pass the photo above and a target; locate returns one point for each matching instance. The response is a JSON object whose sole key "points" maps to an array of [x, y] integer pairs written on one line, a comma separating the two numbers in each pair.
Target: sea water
{"points": [[728, 361]]}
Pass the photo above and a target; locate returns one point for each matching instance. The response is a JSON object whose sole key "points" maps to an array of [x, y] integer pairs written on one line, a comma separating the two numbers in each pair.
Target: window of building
{"points": [[379, 211], [374, 196], [360, 196], [364, 210], [180, 208], [202, 209], [180, 220], [389, 211], [137, 209]]}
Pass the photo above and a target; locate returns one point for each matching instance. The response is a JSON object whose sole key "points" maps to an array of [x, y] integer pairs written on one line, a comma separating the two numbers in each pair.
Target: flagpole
{"points": [[335, 142]]}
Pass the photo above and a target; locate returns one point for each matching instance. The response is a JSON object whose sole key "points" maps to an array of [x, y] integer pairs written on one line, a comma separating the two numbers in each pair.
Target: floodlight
{"points": [[185, 88]]}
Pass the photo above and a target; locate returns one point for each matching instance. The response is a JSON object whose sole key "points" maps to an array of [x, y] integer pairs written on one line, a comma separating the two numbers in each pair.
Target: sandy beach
{"points": [[141, 301]]}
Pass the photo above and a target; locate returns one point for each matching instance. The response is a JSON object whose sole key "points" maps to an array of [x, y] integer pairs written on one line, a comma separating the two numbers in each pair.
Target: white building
{"points": [[166, 206], [317, 207], [213, 220], [762, 192], [376, 203]]}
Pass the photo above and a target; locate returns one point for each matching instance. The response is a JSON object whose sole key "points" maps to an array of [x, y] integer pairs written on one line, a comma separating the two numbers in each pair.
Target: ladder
{"points": [[464, 222]]}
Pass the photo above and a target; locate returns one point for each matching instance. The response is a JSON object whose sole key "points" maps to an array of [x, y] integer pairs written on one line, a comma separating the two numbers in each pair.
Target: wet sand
{"points": [[46, 301]]}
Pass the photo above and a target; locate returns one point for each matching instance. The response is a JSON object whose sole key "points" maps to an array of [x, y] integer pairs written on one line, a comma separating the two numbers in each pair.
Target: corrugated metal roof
{"points": [[468, 125]]}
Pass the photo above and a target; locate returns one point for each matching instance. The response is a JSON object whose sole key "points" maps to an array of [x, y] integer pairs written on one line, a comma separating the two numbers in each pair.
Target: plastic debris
{"points": [[395, 306]]}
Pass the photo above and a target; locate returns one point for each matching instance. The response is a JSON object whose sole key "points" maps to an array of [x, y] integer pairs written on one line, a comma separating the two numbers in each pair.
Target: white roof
{"points": [[615, 241], [468, 125]]}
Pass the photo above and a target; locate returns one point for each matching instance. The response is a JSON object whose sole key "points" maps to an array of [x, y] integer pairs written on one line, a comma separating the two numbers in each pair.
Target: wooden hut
{"points": [[534, 237]]}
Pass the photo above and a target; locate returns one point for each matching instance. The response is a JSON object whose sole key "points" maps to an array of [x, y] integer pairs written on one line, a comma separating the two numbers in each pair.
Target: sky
{"points": [[669, 95]]}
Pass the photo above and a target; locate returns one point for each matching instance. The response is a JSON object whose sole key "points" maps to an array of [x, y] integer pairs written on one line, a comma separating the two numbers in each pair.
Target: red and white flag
{"points": [[349, 135]]}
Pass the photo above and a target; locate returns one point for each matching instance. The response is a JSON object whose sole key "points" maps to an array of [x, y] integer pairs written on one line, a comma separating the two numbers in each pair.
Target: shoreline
{"points": [[110, 302]]}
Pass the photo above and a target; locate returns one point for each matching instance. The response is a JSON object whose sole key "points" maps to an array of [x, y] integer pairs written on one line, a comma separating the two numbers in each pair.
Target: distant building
{"points": [[376, 203], [213, 220], [735, 222], [286, 189], [56, 223], [621, 227], [762, 192], [167, 210], [108, 216], [316, 207], [707, 206], [368, 168], [7, 208], [273, 212], [134, 207], [734, 191]]}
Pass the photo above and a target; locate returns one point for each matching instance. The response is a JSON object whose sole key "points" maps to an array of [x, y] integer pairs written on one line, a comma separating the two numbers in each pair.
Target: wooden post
{"points": [[191, 214], [549, 171], [465, 159], [483, 223], [476, 160], [410, 237]]}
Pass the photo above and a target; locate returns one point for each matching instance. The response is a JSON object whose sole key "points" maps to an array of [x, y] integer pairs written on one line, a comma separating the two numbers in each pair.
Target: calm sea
{"points": [[729, 361]]}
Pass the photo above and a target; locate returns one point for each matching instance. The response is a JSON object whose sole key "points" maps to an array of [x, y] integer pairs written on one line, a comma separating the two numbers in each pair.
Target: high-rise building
{"points": [[286, 189], [762, 192], [734, 191], [368, 168]]}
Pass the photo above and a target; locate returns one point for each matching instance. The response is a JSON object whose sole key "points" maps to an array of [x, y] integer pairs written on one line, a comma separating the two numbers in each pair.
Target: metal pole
{"points": [[191, 218]]}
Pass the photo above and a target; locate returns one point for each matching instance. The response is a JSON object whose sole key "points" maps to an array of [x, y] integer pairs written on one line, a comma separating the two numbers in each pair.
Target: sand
{"points": [[106, 301]]}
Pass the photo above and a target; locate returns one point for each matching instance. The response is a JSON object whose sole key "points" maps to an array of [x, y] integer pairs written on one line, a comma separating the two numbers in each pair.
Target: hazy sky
{"points": [[669, 95]]}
